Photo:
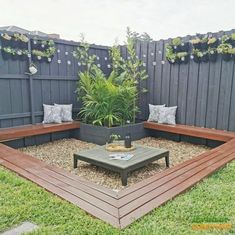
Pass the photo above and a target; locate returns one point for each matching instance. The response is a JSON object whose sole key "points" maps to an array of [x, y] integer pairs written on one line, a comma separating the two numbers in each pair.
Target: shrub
{"points": [[109, 100]]}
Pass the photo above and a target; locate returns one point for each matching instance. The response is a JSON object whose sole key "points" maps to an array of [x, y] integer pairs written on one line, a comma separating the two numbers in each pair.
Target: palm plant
{"points": [[109, 101]]}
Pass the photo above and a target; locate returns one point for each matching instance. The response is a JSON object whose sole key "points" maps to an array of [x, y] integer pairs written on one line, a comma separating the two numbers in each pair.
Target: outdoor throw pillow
{"points": [[154, 111], [66, 112], [52, 114], [167, 115]]}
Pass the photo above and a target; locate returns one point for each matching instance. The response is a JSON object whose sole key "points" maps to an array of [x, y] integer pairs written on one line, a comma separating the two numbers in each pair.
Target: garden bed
{"points": [[60, 153]]}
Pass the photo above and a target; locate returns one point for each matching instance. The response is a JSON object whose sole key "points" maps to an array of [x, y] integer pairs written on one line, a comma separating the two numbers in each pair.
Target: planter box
{"points": [[99, 134]]}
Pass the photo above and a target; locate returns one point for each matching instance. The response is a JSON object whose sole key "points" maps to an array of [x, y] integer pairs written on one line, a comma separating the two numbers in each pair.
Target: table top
{"points": [[141, 154]]}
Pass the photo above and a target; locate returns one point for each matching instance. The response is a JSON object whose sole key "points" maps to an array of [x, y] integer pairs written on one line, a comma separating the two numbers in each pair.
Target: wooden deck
{"points": [[200, 132], [37, 129], [118, 209]]}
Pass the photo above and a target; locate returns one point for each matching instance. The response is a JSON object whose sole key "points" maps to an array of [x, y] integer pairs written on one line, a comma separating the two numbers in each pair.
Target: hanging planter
{"points": [[204, 43], [197, 55], [6, 53], [225, 50], [6, 40], [175, 43], [183, 57], [233, 39], [196, 59], [184, 46], [226, 57], [205, 57], [196, 42], [212, 42], [212, 53]]}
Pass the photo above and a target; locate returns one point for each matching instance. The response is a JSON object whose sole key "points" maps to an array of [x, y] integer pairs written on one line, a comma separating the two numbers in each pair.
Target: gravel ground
{"points": [[60, 153]]}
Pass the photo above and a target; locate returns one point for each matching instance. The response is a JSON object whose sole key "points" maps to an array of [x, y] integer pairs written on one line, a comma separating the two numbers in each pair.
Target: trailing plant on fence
{"points": [[177, 51], [205, 49], [109, 100], [15, 47]]}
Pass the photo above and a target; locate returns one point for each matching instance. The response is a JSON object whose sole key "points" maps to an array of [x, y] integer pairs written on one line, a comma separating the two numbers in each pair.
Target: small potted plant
{"points": [[233, 39], [23, 39], [183, 57], [231, 51], [176, 42], [16, 40], [226, 39], [196, 42], [44, 44], [212, 42], [205, 56], [7, 52], [223, 49], [197, 55], [37, 55], [212, 54], [170, 54], [204, 43], [6, 40]]}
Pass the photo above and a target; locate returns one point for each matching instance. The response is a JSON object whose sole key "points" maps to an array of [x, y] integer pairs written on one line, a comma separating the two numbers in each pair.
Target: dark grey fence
{"points": [[22, 96], [203, 92]]}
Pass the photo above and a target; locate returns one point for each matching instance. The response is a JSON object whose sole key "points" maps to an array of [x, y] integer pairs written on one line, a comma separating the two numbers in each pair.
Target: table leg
{"points": [[75, 162], [124, 178], [167, 161]]}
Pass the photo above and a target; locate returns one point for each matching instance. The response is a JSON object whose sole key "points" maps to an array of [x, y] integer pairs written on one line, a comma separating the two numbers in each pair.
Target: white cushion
{"points": [[167, 115], [52, 114], [154, 111], [66, 112]]}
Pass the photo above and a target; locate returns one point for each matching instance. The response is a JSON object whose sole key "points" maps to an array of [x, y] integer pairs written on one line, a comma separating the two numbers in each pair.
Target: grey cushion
{"points": [[66, 112], [154, 111], [167, 115], [52, 114]]}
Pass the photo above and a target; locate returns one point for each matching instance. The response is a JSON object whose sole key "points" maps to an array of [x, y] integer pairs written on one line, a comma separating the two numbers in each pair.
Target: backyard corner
{"points": [[130, 139]]}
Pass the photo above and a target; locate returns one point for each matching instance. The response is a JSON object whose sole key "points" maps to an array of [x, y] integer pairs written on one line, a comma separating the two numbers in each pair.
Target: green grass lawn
{"points": [[212, 201]]}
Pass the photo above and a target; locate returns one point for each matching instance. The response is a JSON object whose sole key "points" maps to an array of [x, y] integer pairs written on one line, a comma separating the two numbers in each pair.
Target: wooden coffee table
{"points": [[143, 155]]}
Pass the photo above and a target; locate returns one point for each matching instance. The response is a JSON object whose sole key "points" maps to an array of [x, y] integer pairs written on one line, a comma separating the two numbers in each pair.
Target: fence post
{"points": [[31, 98]]}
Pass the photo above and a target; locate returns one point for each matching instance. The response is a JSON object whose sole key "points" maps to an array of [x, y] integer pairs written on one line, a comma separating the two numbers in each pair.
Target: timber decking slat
{"points": [[200, 132], [63, 194], [163, 180], [29, 166], [96, 202], [83, 187], [9, 151], [173, 169], [37, 129], [132, 205], [173, 192]]}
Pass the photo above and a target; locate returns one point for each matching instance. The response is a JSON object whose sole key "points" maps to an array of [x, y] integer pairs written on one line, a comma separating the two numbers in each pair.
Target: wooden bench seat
{"points": [[18, 132], [206, 133]]}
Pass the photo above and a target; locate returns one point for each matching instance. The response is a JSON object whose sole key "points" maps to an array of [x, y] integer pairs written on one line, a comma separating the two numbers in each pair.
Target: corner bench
{"points": [[206, 133], [13, 133]]}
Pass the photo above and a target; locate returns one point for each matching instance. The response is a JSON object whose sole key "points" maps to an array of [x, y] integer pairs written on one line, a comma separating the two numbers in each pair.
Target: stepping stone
{"points": [[23, 228]]}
